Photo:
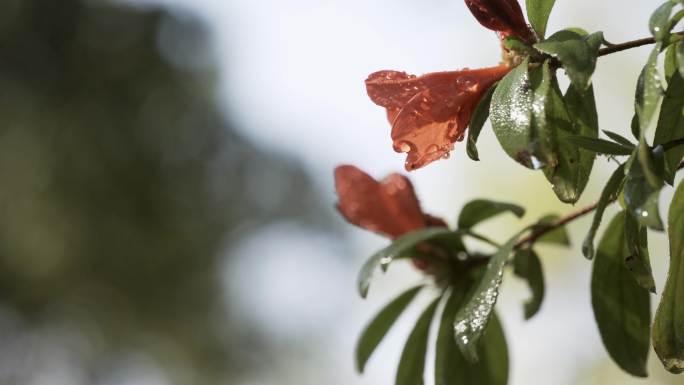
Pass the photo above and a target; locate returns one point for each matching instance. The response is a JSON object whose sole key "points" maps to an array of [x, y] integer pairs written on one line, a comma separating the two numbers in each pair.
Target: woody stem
{"points": [[538, 232], [625, 46]]}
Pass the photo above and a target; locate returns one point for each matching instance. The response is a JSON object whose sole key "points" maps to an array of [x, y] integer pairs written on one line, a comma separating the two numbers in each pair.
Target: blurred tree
{"points": [[120, 183]]}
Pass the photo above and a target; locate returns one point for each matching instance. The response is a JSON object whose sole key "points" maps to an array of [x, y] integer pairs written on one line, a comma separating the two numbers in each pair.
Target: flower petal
{"points": [[427, 124], [388, 207], [502, 16]]}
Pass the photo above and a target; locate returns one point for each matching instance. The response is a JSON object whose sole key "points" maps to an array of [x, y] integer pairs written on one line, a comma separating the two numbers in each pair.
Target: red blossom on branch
{"points": [[430, 113], [388, 207], [504, 17]]}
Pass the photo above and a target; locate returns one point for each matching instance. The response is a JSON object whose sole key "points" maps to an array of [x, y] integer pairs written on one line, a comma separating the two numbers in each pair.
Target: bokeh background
{"points": [[166, 198]]}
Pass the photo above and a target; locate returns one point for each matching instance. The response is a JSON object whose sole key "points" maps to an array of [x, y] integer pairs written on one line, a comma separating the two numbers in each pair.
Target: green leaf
{"points": [[680, 58], [577, 57], [670, 61], [378, 328], [527, 266], [600, 146], [451, 367], [649, 90], [511, 115], [619, 139], [472, 318], [558, 236], [412, 361], [609, 194], [621, 306], [668, 325], [567, 167], [638, 261], [640, 197], [479, 210], [480, 116], [400, 248], [538, 12], [659, 24], [671, 124]]}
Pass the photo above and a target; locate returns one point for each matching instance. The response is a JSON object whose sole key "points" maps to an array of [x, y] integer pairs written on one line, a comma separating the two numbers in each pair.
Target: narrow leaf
{"points": [[621, 306], [638, 261], [412, 361], [671, 124], [478, 120], [576, 56], [452, 368], [400, 248], [660, 21], [619, 139], [649, 90], [640, 197], [609, 194], [511, 115], [600, 146], [668, 325], [558, 236], [538, 12], [480, 210], [527, 266], [380, 325], [472, 318]]}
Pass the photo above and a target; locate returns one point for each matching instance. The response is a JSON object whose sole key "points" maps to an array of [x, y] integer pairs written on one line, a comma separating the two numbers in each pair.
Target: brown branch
{"points": [[625, 46], [538, 232]]}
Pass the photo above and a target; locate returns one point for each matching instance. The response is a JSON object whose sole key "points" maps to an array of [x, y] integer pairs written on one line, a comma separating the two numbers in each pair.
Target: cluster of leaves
{"points": [[542, 127]]}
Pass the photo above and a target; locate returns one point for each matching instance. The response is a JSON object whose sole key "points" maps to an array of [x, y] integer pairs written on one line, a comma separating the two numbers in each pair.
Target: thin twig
{"points": [[625, 46], [540, 231]]}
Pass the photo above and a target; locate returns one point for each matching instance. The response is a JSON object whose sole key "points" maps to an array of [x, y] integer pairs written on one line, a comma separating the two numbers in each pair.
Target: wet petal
{"points": [[388, 207], [429, 124], [502, 16]]}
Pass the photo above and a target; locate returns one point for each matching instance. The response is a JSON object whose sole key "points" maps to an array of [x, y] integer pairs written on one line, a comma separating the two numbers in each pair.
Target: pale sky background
{"points": [[292, 76]]}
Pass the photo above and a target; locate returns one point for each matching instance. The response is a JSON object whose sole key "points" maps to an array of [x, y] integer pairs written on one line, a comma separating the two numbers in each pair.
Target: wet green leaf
{"points": [[412, 362], [619, 139], [638, 261], [380, 325], [452, 368], [527, 266], [472, 318], [511, 115], [680, 59], [621, 306], [400, 248], [480, 210], [670, 61], [671, 124], [668, 325], [640, 197], [649, 91], [477, 121], [609, 194], [659, 24], [577, 57], [567, 167], [600, 146], [538, 12], [558, 236]]}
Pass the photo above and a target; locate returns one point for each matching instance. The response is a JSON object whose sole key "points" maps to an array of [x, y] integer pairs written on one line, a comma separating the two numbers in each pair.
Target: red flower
{"points": [[504, 17], [430, 113], [388, 207]]}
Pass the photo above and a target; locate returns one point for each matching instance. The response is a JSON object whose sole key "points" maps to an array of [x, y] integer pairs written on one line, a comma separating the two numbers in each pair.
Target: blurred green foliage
{"points": [[120, 187]]}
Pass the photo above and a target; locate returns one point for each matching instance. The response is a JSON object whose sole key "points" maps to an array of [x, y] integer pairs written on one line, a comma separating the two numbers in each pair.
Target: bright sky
{"points": [[292, 78]]}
